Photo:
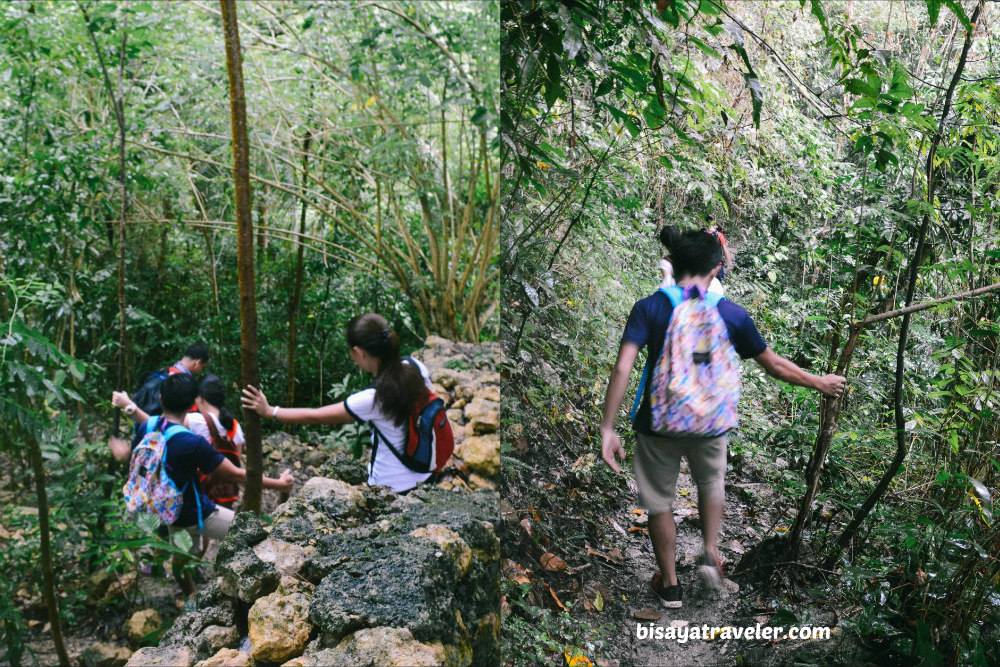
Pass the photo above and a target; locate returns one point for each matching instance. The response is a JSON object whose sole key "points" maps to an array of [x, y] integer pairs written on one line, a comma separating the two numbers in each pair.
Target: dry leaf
{"points": [[647, 615], [574, 659], [599, 601], [515, 572], [526, 525], [552, 562], [555, 597], [639, 529], [610, 557]]}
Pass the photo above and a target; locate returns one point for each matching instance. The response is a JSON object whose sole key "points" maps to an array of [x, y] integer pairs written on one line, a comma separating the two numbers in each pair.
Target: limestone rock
{"points": [[286, 557], [486, 641], [142, 624], [104, 654], [450, 542], [98, 584], [206, 629], [480, 482], [174, 656], [214, 638], [483, 416], [408, 585], [482, 453], [345, 468], [490, 393], [247, 577], [446, 377], [227, 657], [437, 341], [381, 647], [279, 627]]}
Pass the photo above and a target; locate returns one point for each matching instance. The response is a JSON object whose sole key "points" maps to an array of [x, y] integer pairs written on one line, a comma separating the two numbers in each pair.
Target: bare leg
{"points": [[663, 535], [710, 510]]}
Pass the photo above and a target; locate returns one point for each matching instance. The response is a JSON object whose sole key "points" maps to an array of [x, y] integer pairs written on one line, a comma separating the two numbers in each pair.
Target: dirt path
{"points": [[742, 528]]}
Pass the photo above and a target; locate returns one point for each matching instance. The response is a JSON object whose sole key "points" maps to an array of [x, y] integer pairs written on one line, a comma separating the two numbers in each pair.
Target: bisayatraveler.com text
{"points": [[682, 634]]}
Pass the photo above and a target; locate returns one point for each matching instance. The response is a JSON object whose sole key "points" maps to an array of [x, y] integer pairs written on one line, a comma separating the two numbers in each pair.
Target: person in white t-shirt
{"points": [[385, 406], [229, 440]]}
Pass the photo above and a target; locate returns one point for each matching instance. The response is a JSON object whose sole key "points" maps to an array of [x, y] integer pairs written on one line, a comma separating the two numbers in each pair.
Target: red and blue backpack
{"points": [[430, 441]]}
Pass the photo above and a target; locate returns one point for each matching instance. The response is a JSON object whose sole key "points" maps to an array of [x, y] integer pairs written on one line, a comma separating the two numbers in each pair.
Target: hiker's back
{"points": [[696, 381]]}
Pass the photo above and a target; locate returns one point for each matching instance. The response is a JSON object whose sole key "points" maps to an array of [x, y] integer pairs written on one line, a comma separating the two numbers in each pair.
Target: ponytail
{"points": [[213, 390], [398, 386]]}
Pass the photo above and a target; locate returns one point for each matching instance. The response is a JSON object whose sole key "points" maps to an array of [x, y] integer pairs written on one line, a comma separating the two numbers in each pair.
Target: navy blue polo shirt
{"points": [[647, 326]]}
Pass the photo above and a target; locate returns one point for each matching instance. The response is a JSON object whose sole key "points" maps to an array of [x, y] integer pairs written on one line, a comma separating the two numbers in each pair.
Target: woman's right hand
{"points": [[120, 399], [285, 482], [254, 399]]}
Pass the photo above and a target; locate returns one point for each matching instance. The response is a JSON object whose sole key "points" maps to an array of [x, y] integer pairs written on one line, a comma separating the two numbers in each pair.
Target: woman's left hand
{"points": [[254, 399]]}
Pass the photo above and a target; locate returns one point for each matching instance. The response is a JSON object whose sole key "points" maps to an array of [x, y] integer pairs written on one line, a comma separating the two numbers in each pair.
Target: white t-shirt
{"points": [[386, 469], [669, 281], [196, 422], [668, 273]]}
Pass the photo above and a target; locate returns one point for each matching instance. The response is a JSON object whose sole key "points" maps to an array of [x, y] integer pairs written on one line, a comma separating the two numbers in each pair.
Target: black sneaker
{"points": [[710, 573], [670, 596]]}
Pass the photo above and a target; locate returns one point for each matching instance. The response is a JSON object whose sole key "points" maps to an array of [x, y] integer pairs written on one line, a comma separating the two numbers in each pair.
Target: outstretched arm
{"points": [[611, 444], [230, 473], [254, 399], [778, 367]]}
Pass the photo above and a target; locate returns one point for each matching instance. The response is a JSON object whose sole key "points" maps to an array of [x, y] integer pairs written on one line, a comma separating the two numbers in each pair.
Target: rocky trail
{"points": [[339, 573], [753, 513]]}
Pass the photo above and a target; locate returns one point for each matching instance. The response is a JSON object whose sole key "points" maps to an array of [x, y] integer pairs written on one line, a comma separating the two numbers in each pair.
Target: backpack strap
{"points": [[676, 296], [675, 293]]}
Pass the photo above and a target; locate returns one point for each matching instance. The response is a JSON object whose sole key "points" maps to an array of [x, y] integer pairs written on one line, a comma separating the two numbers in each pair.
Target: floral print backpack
{"points": [[149, 487], [696, 380]]}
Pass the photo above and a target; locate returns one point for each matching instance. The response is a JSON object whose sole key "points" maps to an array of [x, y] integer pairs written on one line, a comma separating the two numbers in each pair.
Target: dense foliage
{"points": [[374, 169], [851, 151]]}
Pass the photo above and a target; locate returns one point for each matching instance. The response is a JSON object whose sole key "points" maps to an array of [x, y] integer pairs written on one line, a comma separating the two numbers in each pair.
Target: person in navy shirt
{"points": [[696, 258], [188, 456]]}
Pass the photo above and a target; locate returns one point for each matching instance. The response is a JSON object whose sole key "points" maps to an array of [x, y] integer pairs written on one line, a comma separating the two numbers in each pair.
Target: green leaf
{"points": [[605, 87], [756, 97], [956, 8], [709, 8], [933, 9], [182, 540], [772, 276], [703, 47], [599, 601]]}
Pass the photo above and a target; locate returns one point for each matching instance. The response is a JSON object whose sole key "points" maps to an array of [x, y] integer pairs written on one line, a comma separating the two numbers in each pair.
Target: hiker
{"points": [[687, 400], [667, 235], [727, 259], [187, 454], [147, 397], [401, 389], [214, 422]]}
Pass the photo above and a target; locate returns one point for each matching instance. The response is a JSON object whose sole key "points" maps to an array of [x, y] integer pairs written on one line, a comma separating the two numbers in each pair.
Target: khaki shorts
{"points": [[216, 526], [658, 461]]}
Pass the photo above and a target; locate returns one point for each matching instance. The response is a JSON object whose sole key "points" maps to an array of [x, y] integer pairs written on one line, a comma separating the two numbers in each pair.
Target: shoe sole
{"points": [[669, 604]]}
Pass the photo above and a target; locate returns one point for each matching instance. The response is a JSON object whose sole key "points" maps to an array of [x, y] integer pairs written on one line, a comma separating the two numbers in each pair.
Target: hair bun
{"points": [[386, 333]]}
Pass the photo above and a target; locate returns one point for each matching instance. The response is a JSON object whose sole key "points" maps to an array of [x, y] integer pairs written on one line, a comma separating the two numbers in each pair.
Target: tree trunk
{"points": [[293, 305], [245, 259], [48, 575]]}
